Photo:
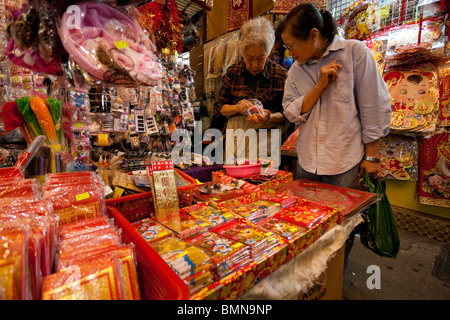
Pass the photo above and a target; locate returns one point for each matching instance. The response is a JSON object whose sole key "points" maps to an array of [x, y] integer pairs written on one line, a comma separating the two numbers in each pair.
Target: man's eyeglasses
{"points": [[291, 47]]}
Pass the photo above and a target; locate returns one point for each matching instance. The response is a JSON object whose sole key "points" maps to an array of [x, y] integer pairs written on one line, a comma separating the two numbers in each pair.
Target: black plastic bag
{"points": [[378, 231]]}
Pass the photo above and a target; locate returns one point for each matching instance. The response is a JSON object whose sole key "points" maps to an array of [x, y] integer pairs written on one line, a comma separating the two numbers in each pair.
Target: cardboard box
{"points": [[329, 284]]}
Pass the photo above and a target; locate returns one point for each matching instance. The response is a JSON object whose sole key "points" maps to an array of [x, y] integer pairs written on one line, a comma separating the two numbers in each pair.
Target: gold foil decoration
{"points": [[165, 195]]}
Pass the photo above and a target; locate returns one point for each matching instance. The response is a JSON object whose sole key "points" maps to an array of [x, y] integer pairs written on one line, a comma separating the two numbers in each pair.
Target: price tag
{"points": [[121, 44], [82, 196]]}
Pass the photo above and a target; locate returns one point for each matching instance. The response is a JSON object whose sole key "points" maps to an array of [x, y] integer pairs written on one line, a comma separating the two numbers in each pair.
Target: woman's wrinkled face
{"points": [[255, 58]]}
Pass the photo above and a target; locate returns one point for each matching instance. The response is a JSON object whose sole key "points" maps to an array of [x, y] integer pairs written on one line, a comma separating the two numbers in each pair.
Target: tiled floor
{"points": [[422, 224]]}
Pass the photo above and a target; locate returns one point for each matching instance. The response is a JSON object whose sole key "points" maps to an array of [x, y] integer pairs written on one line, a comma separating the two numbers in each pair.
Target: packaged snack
{"points": [[190, 263], [256, 210], [214, 216], [260, 241], [227, 254], [151, 230], [284, 229]]}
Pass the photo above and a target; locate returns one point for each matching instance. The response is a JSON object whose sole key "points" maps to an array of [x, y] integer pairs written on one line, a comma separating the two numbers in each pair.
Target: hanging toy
{"points": [[47, 34], [288, 60]]}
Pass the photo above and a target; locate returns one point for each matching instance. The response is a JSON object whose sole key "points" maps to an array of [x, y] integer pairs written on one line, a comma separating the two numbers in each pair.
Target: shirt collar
{"points": [[336, 44]]}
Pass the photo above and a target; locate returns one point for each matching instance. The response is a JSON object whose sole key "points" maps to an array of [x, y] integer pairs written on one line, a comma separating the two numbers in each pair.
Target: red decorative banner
{"points": [[238, 13], [284, 6]]}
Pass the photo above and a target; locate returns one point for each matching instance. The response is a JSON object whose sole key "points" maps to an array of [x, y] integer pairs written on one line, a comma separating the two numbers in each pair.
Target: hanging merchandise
{"points": [[238, 13], [399, 157], [417, 42], [77, 121], [444, 94], [414, 92], [34, 42], [110, 46], [161, 19], [362, 21], [377, 43], [435, 170]]}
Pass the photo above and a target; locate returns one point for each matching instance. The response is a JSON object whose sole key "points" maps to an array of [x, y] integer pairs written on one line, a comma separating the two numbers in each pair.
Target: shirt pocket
{"points": [[342, 88]]}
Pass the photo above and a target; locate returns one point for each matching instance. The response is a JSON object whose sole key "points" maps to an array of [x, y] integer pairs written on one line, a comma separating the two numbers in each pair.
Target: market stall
{"points": [[99, 188]]}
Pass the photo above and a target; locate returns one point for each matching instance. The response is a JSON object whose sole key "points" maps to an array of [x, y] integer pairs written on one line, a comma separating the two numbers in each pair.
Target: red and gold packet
{"points": [[126, 255], [165, 195], [306, 213], [97, 278], [73, 204], [14, 264], [88, 242], [82, 227]]}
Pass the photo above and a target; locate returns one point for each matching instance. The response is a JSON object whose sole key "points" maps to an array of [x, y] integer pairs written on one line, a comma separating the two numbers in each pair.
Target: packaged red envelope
{"points": [[82, 227], [42, 230], [151, 230], [190, 263], [30, 209], [75, 203], [127, 257], [306, 213], [35, 243], [14, 264], [88, 242], [191, 225], [282, 228], [97, 278], [20, 188], [64, 179]]}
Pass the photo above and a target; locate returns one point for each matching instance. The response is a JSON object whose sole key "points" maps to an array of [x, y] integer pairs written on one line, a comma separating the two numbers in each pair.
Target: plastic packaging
{"points": [[151, 230], [227, 254], [14, 283], [128, 259], [212, 215], [190, 263], [95, 278], [110, 46], [260, 241]]}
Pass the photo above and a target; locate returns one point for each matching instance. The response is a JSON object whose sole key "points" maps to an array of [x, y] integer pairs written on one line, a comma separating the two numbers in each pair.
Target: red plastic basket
{"points": [[157, 281], [139, 206]]}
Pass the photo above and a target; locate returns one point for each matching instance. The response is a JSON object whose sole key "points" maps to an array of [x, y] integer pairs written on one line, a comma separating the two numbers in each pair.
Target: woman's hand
{"points": [[259, 118], [328, 73], [243, 106]]}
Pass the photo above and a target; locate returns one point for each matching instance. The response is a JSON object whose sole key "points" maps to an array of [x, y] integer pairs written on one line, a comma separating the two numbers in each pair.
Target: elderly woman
{"points": [[255, 76]]}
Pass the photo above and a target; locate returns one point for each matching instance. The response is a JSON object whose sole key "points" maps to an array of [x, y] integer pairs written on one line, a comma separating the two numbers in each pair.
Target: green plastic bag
{"points": [[378, 231]]}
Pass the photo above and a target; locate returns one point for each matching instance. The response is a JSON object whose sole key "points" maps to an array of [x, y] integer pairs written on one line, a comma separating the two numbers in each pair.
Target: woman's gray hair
{"points": [[258, 31]]}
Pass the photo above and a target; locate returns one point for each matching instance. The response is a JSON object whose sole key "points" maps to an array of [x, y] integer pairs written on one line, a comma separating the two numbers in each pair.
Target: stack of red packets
{"points": [[61, 227], [75, 196], [27, 239], [92, 264]]}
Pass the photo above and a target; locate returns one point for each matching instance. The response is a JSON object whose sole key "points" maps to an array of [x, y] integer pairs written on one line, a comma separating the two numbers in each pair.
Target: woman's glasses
{"points": [[290, 48]]}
